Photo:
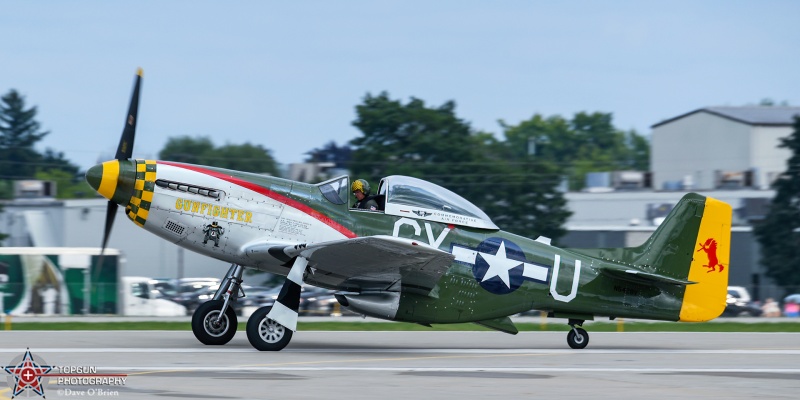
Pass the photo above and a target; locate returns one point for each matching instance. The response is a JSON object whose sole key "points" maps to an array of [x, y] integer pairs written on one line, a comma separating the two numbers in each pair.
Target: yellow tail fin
{"points": [[706, 299]]}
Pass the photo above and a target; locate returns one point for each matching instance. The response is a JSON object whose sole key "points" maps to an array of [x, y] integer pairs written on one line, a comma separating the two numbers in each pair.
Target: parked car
{"points": [[175, 287], [740, 293], [255, 299], [254, 296], [316, 301], [739, 304], [140, 298]]}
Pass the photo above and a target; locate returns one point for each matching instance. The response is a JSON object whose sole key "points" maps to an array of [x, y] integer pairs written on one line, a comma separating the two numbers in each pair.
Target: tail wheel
{"points": [[265, 334], [206, 328], [577, 338]]}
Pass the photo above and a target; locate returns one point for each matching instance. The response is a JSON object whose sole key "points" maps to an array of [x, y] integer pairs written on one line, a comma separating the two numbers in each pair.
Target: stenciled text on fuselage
{"points": [[212, 210]]}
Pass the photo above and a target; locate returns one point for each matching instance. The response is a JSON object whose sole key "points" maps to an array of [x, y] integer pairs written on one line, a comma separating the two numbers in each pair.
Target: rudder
{"points": [[706, 299]]}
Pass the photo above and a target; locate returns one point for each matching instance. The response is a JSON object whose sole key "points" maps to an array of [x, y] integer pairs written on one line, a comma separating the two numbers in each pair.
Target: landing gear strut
{"points": [[270, 328], [215, 322], [577, 338]]}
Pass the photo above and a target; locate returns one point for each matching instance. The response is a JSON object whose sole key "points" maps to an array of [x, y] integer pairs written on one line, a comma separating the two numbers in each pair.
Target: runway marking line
{"points": [[276, 365], [392, 359]]}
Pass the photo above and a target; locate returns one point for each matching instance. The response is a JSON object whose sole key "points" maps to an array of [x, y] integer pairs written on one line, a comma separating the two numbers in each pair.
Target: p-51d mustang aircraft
{"points": [[426, 255]]}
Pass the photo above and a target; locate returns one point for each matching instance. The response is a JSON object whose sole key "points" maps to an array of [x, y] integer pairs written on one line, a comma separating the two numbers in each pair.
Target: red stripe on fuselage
{"points": [[269, 193]]}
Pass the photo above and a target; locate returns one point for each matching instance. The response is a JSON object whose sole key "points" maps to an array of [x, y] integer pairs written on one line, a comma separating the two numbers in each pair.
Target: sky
{"points": [[288, 75]]}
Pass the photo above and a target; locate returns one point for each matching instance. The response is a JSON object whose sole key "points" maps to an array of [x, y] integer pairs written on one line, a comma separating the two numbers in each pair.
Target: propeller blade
{"points": [[124, 151], [111, 212], [125, 147]]}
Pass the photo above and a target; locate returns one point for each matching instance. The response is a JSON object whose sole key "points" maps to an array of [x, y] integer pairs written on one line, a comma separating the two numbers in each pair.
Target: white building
{"points": [[720, 148]]}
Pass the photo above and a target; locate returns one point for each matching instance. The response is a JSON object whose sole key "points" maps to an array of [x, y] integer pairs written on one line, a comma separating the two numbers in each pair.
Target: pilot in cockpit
{"points": [[364, 201]]}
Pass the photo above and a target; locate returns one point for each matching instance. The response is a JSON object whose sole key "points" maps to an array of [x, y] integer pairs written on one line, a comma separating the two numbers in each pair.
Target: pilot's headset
{"points": [[360, 184]]}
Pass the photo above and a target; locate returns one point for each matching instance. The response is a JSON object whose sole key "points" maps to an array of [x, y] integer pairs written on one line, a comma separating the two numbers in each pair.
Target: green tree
{"points": [[525, 196], [187, 149], [413, 139], [432, 143], [68, 185], [70, 182], [245, 157], [19, 132], [53, 160], [586, 143], [637, 151], [409, 139], [331, 152], [779, 233], [201, 150]]}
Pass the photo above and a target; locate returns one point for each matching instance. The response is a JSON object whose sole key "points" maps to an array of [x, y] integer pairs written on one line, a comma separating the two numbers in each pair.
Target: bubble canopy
{"points": [[415, 198]]}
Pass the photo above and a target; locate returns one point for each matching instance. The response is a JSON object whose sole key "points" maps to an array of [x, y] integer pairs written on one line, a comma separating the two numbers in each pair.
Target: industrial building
{"points": [[720, 148]]}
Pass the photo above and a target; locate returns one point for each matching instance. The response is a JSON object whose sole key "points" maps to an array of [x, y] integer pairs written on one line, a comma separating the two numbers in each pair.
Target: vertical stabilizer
{"points": [[706, 299]]}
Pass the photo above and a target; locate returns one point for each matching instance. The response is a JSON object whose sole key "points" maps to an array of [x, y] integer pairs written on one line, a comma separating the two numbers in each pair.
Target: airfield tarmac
{"points": [[405, 365]]}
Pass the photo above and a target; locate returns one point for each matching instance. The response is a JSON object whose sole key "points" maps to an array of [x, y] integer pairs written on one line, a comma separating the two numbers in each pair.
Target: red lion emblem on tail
{"points": [[710, 247]]}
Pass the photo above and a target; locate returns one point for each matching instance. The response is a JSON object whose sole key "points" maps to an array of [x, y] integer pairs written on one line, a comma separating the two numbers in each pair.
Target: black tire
{"points": [[265, 334], [578, 338], [203, 323]]}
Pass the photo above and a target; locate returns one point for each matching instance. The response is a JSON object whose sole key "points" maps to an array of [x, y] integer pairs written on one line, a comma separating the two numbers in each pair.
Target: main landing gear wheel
{"points": [[265, 334], [206, 328], [577, 338]]}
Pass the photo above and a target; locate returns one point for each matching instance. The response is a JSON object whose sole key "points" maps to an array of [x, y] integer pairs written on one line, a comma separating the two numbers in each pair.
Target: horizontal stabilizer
{"points": [[639, 276]]}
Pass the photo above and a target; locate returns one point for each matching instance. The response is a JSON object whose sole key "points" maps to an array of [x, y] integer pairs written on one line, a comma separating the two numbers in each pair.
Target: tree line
{"points": [[518, 180], [19, 132]]}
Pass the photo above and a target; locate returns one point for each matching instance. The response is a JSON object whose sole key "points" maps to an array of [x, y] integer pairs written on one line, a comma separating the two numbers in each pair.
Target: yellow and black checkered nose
{"points": [[114, 180], [139, 207]]}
